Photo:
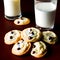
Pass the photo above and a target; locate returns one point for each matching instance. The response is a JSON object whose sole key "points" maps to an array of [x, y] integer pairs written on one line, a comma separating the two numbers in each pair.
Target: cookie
{"points": [[21, 48], [49, 37], [12, 37], [39, 49], [31, 34], [22, 21]]}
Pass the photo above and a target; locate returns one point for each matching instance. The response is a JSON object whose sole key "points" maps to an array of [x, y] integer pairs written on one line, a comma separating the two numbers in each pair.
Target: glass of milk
{"points": [[12, 9], [45, 11]]}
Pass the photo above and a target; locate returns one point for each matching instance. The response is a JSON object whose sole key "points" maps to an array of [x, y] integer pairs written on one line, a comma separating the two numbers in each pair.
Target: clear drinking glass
{"points": [[12, 9], [45, 11]]}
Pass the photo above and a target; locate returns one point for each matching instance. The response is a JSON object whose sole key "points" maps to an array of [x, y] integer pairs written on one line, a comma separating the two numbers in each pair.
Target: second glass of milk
{"points": [[12, 9], [45, 11]]}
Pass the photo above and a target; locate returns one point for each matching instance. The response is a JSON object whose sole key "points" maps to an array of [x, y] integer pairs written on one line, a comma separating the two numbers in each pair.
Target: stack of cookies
{"points": [[30, 39]]}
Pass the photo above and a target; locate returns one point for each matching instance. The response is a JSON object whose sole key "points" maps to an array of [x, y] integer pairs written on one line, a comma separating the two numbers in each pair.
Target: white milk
{"points": [[12, 7], [45, 14]]}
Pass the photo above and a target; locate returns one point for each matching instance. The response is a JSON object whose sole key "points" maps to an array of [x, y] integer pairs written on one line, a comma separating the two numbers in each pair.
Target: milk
{"points": [[45, 14], [12, 7]]}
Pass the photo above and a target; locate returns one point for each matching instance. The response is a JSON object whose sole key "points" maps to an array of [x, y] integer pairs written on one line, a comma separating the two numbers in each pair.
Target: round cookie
{"points": [[49, 37], [39, 49], [22, 21], [31, 34], [21, 48], [12, 37]]}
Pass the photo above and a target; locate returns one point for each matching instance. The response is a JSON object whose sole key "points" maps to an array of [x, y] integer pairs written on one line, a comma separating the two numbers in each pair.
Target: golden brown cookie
{"points": [[22, 21], [39, 49], [49, 37], [12, 37], [31, 34], [21, 48]]}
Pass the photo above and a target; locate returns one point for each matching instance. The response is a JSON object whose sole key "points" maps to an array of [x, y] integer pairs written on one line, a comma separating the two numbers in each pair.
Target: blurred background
{"points": [[27, 6]]}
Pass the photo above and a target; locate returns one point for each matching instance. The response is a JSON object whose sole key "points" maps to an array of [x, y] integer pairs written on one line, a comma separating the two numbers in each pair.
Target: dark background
{"points": [[27, 11], [28, 7]]}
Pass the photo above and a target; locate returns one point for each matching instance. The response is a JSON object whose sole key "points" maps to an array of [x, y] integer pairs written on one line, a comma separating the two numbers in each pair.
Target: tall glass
{"points": [[12, 9], [45, 11]]}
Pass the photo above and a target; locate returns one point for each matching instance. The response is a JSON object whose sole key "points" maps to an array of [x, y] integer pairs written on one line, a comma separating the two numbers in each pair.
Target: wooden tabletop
{"points": [[6, 25]]}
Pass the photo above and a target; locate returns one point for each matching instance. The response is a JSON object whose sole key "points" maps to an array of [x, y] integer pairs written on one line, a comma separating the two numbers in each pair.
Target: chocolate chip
{"points": [[18, 22], [11, 37], [51, 38], [18, 43], [30, 29], [33, 52], [22, 39], [18, 48], [30, 37], [32, 33], [12, 32]]}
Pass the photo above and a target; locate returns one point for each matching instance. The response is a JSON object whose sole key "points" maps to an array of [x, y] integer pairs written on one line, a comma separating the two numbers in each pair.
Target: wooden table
{"points": [[6, 25]]}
